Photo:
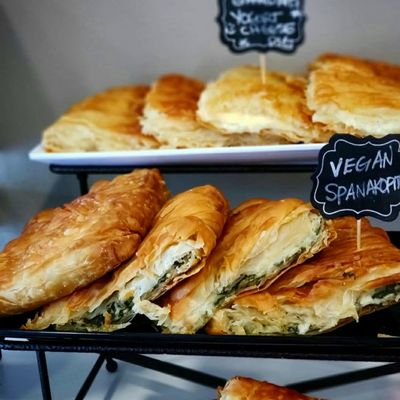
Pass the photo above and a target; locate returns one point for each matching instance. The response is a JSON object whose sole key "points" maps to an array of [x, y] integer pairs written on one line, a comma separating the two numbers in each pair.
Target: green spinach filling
{"points": [[384, 291], [242, 282], [290, 260], [121, 312]]}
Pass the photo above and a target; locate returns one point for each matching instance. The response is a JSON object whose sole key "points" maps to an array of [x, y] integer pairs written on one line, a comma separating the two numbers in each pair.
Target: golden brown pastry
{"points": [[337, 286], [261, 239], [184, 234], [240, 388], [238, 102], [64, 248], [356, 96], [106, 121], [170, 115]]}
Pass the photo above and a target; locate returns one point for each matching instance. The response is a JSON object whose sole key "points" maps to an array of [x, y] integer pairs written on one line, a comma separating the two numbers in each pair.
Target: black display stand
{"points": [[357, 342]]}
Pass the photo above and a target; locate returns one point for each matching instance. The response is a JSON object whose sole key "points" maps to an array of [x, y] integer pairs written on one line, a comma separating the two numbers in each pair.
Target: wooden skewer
{"points": [[358, 234]]}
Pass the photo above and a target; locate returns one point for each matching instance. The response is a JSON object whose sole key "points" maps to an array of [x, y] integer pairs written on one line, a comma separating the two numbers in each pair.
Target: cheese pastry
{"points": [[337, 286], [184, 233], [261, 239], [170, 115], [356, 96], [240, 388], [238, 102], [106, 121], [64, 248]]}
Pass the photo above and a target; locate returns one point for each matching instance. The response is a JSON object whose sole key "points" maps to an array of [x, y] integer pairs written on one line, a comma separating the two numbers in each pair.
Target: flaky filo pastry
{"points": [[241, 388], [185, 232], [353, 95], [261, 239], [238, 102], [337, 286], [170, 115], [105, 121], [68, 247]]}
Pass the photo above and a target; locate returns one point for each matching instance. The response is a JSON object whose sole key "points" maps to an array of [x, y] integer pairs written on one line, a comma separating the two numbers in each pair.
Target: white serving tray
{"points": [[272, 154]]}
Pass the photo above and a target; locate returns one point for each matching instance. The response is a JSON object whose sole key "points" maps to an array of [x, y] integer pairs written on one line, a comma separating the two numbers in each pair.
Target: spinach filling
{"points": [[290, 259], [240, 283], [384, 291], [121, 312], [245, 281]]}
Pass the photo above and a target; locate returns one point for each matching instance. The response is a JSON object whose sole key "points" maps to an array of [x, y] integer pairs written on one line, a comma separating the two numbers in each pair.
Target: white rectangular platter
{"points": [[245, 155]]}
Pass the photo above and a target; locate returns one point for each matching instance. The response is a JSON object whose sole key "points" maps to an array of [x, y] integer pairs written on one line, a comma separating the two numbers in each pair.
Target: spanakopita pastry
{"points": [[356, 96], [261, 239], [238, 102], [241, 388], [184, 233], [170, 115], [106, 121], [337, 286], [68, 247]]}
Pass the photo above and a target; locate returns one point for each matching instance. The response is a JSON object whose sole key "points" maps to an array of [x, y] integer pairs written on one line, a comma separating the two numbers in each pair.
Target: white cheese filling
{"points": [[178, 259]]}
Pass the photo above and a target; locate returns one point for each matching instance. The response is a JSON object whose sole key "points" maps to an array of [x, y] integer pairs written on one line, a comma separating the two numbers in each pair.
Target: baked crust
{"points": [[106, 121], [175, 96], [238, 102], [64, 248], [353, 95], [170, 115], [194, 217], [241, 388], [338, 275], [247, 257]]}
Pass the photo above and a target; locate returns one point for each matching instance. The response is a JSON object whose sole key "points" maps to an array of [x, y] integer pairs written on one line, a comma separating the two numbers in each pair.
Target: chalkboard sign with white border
{"points": [[261, 25], [358, 177]]}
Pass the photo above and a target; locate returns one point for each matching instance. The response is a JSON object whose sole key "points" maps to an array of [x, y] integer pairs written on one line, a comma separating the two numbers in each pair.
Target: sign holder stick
{"points": [[263, 68], [358, 234]]}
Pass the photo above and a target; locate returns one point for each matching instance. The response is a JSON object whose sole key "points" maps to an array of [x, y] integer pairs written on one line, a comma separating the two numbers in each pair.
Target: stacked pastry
{"points": [[170, 115], [341, 94], [261, 239], [267, 267], [185, 232], [256, 245], [337, 286], [62, 258]]}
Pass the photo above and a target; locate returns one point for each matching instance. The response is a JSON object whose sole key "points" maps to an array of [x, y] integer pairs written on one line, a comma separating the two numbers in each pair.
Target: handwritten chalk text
{"points": [[354, 191], [382, 159]]}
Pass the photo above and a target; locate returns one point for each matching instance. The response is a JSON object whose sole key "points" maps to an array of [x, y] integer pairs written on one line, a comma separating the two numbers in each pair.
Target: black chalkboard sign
{"points": [[261, 25], [358, 177]]}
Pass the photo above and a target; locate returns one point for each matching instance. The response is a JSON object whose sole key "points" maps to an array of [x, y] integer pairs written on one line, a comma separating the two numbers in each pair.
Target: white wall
{"points": [[54, 52]]}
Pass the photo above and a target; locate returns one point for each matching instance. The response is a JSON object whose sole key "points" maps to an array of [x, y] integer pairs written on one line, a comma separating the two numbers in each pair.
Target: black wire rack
{"points": [[83, 171], [375, 338]]}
